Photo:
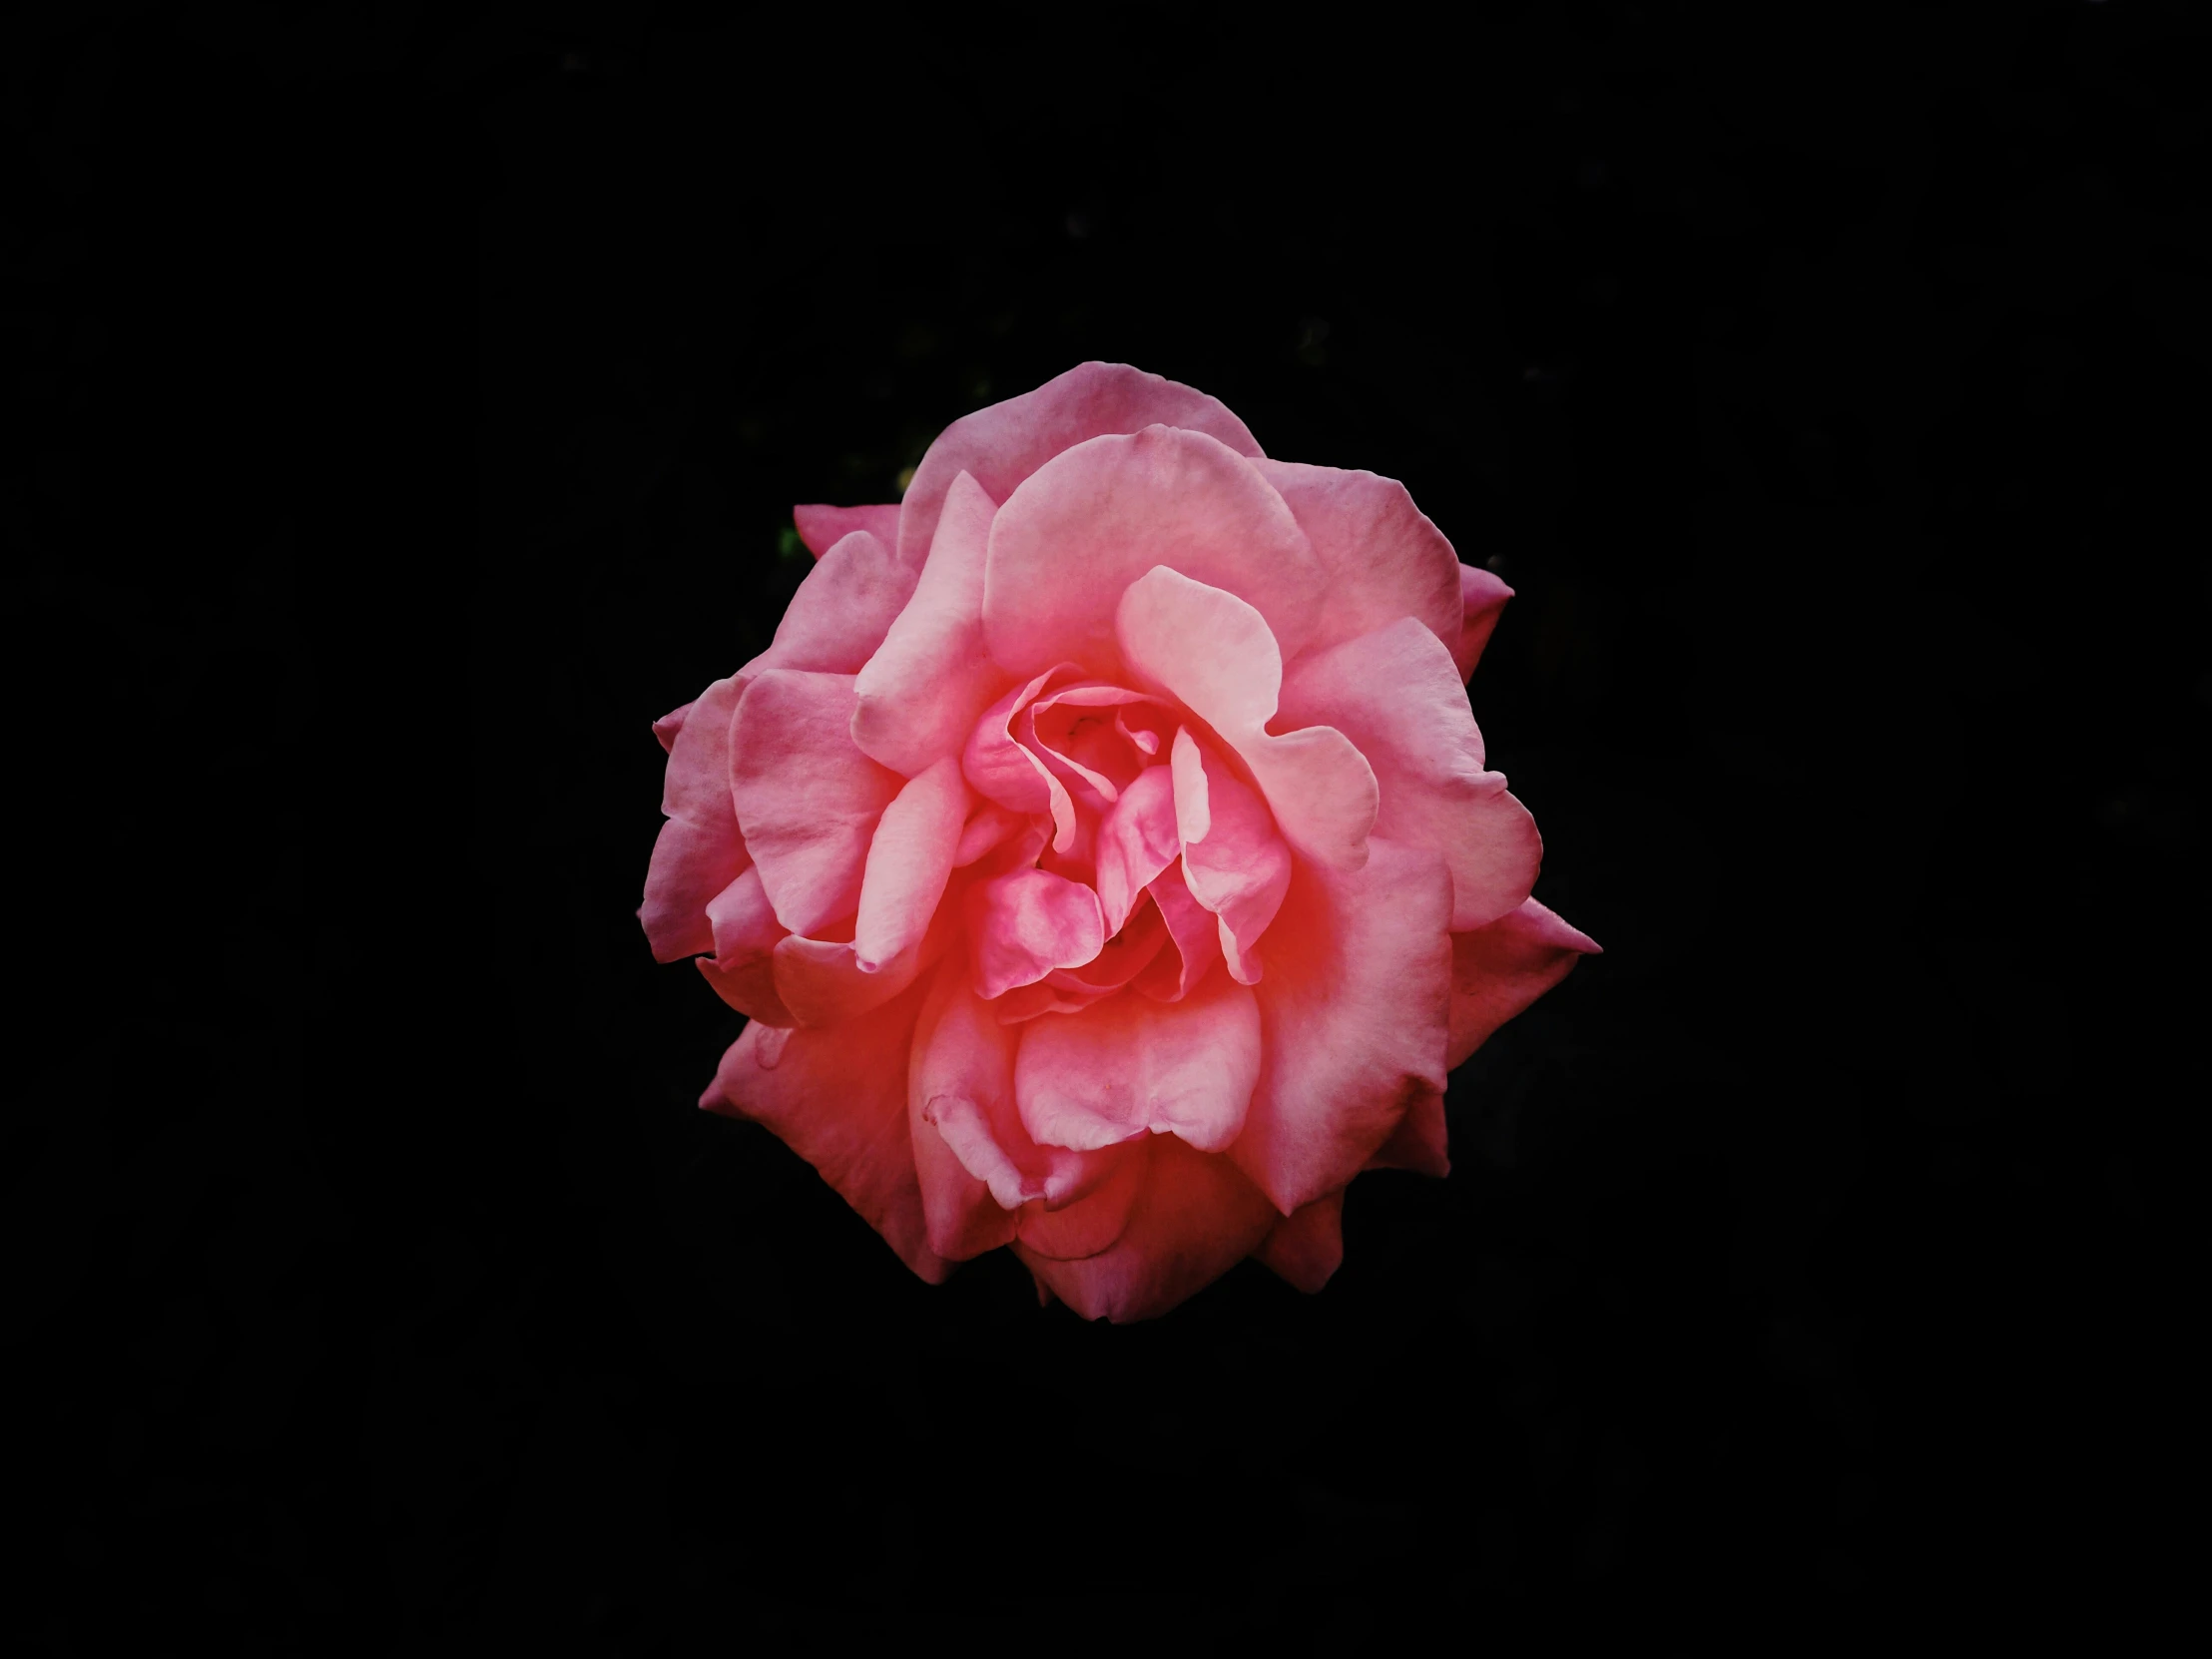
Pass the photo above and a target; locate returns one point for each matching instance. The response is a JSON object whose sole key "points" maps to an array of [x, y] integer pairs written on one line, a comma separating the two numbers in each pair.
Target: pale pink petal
{"points": [[808, 799], [1239, 867], [1355, 1012], [1193, 936], [1091, 1221], [1005, 443], [1195, 1217], [699, 851], [666, 728], [840, 611], [1214, 654], [1498, 970], [927, 683], [1483, 599], [1419, 1142], [1396, 693], [1307, 1246], [1024, 924], [962, 1084], [1095, 518], [821, 528], [910, 860], [1137, 839], [1385, 558], [1001, 770], [839, 1100], [1129, 1065]]}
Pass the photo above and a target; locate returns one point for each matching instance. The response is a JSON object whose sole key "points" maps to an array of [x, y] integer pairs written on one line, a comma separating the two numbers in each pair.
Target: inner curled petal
{"points": [[1024, 924]]}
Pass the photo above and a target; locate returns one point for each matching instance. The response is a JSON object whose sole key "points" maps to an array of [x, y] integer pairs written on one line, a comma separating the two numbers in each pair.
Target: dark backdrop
{"points": [[407, 405]]}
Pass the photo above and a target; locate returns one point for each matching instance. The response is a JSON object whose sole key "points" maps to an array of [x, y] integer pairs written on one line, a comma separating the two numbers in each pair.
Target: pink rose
{"points": [[1103, 850]]}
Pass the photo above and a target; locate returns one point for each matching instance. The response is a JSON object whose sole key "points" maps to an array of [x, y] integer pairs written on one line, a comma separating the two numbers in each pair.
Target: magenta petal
{"points": [[839, 1100], [1129, 1065], [1498, 970], [1094, 1220], [1193, 1219], [1194, 940], [1024, 924], [842, 611], [1003, 444], [808, 799], [1483, 599], [1137, 839], [931, 678], [1233, 863], [910, 860], [1396, 693], [822, 986], [821, 528], [1385, 558], [1095, 518], [1307, 1246], [1356, 1009], [1214, 653]]}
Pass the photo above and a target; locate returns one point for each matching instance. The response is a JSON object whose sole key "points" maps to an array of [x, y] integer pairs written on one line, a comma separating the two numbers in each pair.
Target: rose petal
{"points": [[699, 851], [1396, 693], [1000, 768], [1137, 839], [807, 799], [1384, 557], [1483, 599], [930, 679], [1005, 443], [1094, 1220], [1498, 970], [1354, 1013], [1195, 1219], [1307, 1246], [1194, 934], [666, 728], [822, 985], [1092, 520], [1024, 924], [991, 826], [1419, 1142], [842, 611], [839, 1100], [1125, 954], [741, 970], [1130, 1064], [910, 859], [821, 528], [1214, 654], [1236, 866]]}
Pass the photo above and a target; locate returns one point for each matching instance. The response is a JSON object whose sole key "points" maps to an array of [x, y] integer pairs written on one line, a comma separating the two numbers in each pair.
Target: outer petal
{"points": [[842, 611], [1195, 1219], [808, 799], [960, 1067], [1233, 863], [1003, 444], [910, 859], [1307, 1247], [700, 852], [1129, 1064], [741, 970], [666, 728], [839, 1100], [1215, 654], [1419, 1142], [923, 689], [1385, 558], [821, 528], [1092, 1221], [1092, 520], [1498, 970], [1397, 695], [1355, 1012], [1482, 600], [821, 985]]}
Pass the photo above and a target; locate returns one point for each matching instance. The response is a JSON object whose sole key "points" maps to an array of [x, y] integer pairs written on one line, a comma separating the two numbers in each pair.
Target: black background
{"points": [[406, 405]]}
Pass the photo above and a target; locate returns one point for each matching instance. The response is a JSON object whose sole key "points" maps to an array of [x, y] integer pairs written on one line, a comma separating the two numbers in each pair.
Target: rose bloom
{"points": [[1104, 853]]}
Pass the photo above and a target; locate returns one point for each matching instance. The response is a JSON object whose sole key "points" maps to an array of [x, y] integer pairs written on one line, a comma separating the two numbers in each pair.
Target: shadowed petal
{"points": [[1306, 1247], [1418, 1143], [1498, 970], [821, 528], [1482, 601]]}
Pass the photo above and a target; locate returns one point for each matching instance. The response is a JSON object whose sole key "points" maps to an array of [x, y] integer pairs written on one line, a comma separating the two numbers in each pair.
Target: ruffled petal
{"points": [[1498, 970], [808, 799], [839, 1100], [1001, 770], [1195, 1217], [930, 679], [1093, 519], [1128, 1065], [1005, 443], [842, 611], [699, 851], [1354, 1013], [910, 859], [1024, 924], [821, 528], [1233, 863], [1215, 655], [1306, 1247], [1396, 693], [1385, 558], [1482, 600]]}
